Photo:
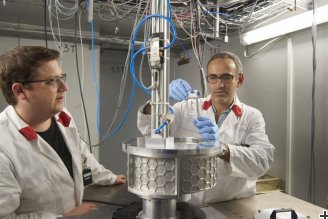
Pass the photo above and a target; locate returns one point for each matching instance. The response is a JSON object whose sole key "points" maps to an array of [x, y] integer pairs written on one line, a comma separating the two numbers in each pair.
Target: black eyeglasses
{"points": [[55, 82], [224, 78]]}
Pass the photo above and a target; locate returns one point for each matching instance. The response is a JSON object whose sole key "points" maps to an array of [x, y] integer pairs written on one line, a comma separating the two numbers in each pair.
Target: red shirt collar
{"points": [[64, 119], [235, 108], [29, 133]]}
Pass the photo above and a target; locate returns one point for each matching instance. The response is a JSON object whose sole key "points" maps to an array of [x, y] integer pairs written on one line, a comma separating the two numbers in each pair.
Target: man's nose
{"points": [[63, 86], [219, 83]]}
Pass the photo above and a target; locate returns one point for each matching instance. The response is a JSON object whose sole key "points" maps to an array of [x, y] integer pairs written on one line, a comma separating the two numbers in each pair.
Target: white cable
{"points": [[205, 38], [59, 36], [118, 15], [181, 25], [261, 48], [51, 27], [67, 12], [198, 59]]}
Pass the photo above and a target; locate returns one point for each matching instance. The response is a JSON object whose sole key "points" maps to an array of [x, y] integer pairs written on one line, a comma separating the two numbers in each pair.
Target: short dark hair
{"points": [[228, 55], [20, 64]]}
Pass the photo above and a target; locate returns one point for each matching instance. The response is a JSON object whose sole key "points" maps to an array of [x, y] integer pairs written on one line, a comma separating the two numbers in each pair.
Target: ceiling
{"points": [[114, 20]]}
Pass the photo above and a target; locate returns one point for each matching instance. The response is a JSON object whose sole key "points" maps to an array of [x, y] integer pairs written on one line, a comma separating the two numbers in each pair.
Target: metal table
{"points": [[114, 195], [235, 209], [247, 207]]}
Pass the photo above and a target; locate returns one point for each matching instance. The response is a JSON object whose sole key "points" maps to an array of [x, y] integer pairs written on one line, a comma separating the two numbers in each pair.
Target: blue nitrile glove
{"points": [[178, 89], [207, 129]]}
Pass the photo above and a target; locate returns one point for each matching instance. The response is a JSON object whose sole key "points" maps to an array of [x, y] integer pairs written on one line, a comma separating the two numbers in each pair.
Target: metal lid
{"points": [[171, 147]]}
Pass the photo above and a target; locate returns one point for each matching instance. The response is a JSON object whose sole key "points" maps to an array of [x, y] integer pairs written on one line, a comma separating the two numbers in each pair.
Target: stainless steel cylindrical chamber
{"points": [[162, 170]]}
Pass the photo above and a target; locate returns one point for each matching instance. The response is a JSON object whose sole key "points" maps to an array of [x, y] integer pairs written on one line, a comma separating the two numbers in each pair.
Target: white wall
{"points": [[73, 100], [266, 89], [302, 117]]}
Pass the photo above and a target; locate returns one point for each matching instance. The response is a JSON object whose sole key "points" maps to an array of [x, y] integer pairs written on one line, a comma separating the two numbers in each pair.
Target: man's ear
{"points": [[18, 90], [241, 79]]}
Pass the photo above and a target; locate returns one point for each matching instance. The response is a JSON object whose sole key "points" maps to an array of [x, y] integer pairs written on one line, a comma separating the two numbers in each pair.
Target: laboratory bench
{"points": [[110, 198]]}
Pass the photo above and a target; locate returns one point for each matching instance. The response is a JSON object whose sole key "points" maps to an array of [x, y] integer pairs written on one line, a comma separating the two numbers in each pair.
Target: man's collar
{"points": [[235, 106], [29, 133], [64, 119]]}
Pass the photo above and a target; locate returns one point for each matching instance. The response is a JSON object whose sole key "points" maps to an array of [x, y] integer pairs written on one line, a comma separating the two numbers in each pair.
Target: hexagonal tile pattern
{"points": [[169, 165], [153, 174], [137, 172], [160, 170], [161, 161], [137, 162], [152, 185], [157, 175], [144, 168], [160, 180], [144, 179], [169, 187], [197, 174], [152, 164], [169, 176], [201, 173], [194, 169], [194, 180], [201, 184]]}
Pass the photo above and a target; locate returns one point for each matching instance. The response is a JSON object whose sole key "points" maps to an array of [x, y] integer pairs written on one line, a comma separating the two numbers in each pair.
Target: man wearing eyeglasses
{"points": [[238, 128], [44, 164]]}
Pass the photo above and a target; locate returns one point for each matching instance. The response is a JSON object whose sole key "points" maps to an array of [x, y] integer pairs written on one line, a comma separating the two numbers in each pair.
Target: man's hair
{"points": [[228, 55], [20, 64]]}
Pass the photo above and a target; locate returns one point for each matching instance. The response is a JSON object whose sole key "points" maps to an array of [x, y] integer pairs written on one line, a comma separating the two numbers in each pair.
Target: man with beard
{"points": [[237, 127]]}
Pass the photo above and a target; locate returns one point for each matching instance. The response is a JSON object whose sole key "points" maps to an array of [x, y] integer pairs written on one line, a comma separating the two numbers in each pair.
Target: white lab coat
{"points": [[236, 179], [34, 182]]}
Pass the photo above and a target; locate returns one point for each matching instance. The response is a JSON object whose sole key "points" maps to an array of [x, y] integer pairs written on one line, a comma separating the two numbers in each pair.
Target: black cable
{"points": [[45, 23], [311, 195], [313, 121], [103, 202], [80, 88]]}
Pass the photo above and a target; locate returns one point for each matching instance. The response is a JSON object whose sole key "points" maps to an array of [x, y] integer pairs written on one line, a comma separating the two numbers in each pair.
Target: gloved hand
{"points": [[207, 129], [178, 89]]}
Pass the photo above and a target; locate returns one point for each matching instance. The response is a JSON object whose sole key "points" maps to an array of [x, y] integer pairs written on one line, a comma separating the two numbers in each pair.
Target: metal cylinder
{"points": [[159, 208], [161, 171]]}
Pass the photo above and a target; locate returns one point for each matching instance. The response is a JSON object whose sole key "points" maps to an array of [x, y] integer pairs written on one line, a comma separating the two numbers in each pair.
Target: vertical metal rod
{"points": [[165, 77], [159, 96], [217, 22], [154, 74], [290, 109], [90, 16]]}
